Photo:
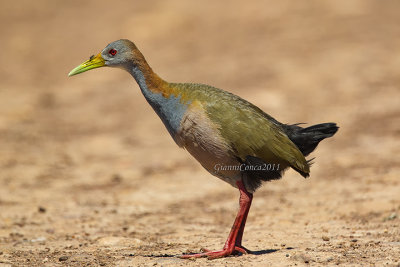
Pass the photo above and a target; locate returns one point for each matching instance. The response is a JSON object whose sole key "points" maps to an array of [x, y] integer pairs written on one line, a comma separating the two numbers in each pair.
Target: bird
{"points": [[230, 137]]}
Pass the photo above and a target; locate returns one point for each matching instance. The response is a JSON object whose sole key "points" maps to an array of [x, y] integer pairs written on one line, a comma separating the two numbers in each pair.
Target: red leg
{"points": [[238, 242], [233, 244]]}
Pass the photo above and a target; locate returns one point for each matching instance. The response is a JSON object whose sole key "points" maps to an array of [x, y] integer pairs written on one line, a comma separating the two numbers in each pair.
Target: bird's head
{"points": [[122, 53]]}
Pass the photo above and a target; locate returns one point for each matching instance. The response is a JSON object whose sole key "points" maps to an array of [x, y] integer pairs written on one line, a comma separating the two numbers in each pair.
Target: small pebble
{"points": [[116, 178], [391, 216], [325, 238], [42, 210], [63, 258], [39, 239]]}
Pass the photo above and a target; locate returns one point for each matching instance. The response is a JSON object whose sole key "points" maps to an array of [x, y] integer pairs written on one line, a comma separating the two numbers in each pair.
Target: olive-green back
{"points": [[248, 129]]}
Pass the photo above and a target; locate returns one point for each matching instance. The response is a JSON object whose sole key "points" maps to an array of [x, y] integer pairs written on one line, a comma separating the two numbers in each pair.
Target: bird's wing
{"points": [[250, 131]]}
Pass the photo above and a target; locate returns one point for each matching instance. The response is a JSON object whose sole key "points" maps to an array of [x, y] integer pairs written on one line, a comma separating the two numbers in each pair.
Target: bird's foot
{"points": [[225, 252]]}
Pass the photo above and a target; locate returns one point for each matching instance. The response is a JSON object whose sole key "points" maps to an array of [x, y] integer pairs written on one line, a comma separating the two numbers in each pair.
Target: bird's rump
{"points": [[307, 139]]}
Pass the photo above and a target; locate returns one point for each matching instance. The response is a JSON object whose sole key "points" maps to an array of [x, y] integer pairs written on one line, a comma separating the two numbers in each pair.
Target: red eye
{"points": [[112, 52]]}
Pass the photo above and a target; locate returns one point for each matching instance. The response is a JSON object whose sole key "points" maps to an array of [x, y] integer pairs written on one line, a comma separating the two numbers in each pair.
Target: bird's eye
{"points": [[112, 52]]}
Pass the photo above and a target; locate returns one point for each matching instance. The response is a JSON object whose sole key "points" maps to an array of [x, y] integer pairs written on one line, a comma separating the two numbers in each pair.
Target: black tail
{"points": [[307, 139]]}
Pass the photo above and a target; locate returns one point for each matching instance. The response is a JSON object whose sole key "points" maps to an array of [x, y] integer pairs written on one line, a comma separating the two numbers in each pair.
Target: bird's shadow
{"points": [[251, 252], [262, 252]]}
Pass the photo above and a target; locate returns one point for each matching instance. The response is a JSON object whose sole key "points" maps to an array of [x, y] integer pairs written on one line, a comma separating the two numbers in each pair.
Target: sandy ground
{"points": [[90, 177]]}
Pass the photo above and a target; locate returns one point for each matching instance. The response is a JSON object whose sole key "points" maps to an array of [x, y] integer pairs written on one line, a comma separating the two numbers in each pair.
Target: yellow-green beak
{"points": [[92, 63]]}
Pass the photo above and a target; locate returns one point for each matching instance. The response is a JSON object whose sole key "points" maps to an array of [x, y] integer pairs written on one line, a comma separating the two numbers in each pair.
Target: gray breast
{"points": [[170, 110]]}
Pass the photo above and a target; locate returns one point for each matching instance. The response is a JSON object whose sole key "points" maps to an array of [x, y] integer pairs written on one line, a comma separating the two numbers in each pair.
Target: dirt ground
{"points": [[90, 177]]}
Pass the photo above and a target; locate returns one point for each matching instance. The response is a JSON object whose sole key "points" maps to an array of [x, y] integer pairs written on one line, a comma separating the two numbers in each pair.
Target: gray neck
{"points": [[141, 81], [170, 110]]}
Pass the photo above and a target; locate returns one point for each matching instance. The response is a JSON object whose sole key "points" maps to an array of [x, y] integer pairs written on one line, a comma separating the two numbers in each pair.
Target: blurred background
{"points": [[88, 172]]}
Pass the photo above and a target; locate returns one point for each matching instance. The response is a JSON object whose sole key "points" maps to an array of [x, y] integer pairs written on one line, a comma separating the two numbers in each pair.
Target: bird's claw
{"points": [[225, 252]]}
